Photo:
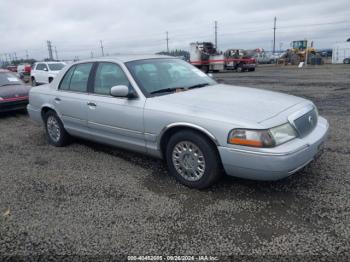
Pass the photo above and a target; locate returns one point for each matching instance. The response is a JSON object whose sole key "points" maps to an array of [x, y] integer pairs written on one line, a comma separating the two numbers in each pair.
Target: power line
{"points": [[167, 41], [49, 47], [103, 54], [56, 53], [216, 34], [274, 35]]}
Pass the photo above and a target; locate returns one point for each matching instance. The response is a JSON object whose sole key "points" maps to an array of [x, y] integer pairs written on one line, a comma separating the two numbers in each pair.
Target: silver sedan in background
{"points": [[165, 107]]}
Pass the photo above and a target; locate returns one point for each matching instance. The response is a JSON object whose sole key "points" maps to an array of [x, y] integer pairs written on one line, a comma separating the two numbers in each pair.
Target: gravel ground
{"points": [[89, 199]]}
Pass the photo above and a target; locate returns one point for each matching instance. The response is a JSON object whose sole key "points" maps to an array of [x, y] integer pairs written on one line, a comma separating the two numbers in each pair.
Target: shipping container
{"points": [[341, 53]]}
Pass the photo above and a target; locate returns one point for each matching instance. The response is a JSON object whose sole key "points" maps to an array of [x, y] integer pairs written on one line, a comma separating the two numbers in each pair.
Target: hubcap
{"points": [[188, 161], [53, 128]]}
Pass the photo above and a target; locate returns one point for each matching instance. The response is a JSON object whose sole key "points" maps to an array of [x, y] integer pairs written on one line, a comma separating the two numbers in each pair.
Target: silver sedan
{"points": [[166, 108]]}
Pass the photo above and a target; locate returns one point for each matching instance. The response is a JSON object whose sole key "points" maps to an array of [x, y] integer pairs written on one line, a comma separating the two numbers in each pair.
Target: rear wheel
{"points": [[56, 134], [346, 61], [192, 159]]}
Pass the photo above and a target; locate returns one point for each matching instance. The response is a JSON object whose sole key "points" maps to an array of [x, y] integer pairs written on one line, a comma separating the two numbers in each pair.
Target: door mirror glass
{"points": [[120, 91], [45, 69], [211, 75]]}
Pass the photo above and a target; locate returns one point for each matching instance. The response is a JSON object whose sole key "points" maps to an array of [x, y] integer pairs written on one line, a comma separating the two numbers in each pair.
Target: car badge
{"points": [[311, 120]]}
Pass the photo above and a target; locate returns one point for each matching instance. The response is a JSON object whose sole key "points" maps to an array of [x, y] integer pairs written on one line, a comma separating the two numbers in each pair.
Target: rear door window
{"points": [[77, 77], [66, 79], [41, 66]]}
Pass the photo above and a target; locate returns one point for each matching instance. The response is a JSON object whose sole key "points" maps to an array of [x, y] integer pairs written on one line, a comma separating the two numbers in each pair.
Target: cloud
{"points": [[139, 26]]}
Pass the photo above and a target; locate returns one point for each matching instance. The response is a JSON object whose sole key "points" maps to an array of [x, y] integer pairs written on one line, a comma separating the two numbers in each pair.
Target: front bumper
{"points": [[13, 105], [249, 66], [275, 163]]}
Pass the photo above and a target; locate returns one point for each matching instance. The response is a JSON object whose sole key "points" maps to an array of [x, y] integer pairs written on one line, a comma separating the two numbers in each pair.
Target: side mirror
{"points": [[45, 69], [211, 75], [120, 91]]}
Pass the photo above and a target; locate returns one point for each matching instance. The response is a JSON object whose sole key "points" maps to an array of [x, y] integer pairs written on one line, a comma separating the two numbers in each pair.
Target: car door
{"points": [[39, 72], [71, 99], [117, 121]]}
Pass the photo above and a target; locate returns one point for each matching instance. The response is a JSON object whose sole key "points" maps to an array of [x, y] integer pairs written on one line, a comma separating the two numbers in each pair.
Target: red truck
{"points": [[205, 57]]}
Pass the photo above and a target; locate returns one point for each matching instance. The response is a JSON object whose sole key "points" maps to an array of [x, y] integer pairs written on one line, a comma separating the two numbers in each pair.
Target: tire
{"points": [[184, 151], [34, 83], [252, 69], [346, 61], [205, 69], [55, 132], [239, 68]]}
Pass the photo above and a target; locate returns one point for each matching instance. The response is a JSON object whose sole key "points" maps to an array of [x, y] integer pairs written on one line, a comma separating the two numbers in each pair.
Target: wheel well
{"points": [[44, 110], [171, 131]]}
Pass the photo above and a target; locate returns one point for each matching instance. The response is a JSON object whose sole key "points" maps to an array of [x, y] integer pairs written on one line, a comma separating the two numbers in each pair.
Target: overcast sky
{"points": [[76, 27]]}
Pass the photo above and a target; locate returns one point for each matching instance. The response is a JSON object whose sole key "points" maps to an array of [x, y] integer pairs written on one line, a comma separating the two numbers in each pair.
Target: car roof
{"points": [[50, 62], [125, 58]]}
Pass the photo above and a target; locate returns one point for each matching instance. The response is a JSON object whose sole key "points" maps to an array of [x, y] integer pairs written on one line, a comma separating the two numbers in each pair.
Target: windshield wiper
{"points": [[198, 85], [10, 84], [172, 89], [166, 90]]}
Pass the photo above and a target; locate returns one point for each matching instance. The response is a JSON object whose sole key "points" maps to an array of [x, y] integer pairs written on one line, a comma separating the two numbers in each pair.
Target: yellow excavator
{"points": [[301, 52]]}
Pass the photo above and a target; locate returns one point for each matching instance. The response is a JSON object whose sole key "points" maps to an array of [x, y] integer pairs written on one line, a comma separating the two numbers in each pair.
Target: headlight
{"points": [[254, 138], [262, 138], [283, 133]]}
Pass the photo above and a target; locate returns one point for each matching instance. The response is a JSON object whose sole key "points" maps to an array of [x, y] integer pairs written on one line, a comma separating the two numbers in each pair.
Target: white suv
{"points": [[45, 72]]}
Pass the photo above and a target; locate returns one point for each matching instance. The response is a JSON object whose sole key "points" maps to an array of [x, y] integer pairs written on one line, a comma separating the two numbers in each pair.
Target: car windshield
{"points": [[9, 79], [56, 66], [167, 75]]}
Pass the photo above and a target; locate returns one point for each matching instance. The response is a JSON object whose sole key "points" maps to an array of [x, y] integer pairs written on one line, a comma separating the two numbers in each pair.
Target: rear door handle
{"points": [[91, 104], [57, 99]]}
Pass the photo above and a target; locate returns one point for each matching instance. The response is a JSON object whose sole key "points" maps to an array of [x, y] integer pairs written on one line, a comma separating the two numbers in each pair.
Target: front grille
{"points": [[306, 123]]}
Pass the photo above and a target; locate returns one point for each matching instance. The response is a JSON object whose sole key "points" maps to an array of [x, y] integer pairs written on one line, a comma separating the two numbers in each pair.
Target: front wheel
{"points": [[239, 69], [192, 159], [56, 134], [346, 61]]}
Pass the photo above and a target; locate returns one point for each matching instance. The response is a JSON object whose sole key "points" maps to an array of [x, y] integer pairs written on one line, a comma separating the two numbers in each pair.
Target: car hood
{"points": [[11, 91], [227, 103]]}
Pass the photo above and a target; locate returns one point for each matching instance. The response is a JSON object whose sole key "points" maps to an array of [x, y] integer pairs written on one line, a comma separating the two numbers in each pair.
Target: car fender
{"points": [[51, 106], [188, 125]]}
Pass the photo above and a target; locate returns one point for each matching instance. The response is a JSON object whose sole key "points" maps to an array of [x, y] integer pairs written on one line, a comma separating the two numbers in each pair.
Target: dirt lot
{"points": [[89, 199]]}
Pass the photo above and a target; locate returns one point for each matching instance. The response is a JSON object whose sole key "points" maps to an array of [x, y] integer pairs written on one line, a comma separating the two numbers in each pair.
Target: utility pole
{"points": [[274, 34], [49, 47], [216, 35], [92, 54], [27, 56], [56, 53], [15, 55], [103, 54], [167, 42]]}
